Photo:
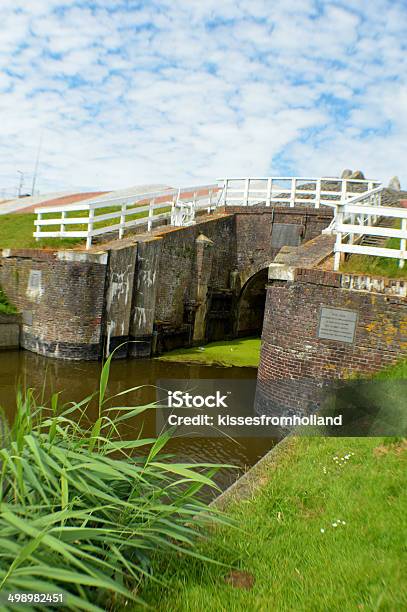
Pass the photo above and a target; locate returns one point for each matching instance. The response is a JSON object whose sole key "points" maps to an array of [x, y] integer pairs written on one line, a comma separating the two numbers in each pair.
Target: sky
{"points": [[125, 92]]}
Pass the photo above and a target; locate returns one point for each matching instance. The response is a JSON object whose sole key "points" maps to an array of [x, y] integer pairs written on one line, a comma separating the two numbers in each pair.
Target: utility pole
{"points": [[20, 184], [36, 164]]}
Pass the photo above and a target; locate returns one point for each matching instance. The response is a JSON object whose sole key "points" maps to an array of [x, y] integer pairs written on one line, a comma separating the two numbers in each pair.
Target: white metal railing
{"points": [[358, 217], [291, 191], [129, 211]]}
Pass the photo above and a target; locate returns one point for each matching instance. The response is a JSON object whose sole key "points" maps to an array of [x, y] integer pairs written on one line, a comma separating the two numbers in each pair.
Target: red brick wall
{"points": [[254, 228], [294, 361], [65, 318]]}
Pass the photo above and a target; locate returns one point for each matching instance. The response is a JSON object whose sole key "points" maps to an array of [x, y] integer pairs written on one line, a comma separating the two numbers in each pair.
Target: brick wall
{"points": [[62, 302], [177, 264], [258, 232], [75, 303], [9, 331], [295, 361], [120, 276]]}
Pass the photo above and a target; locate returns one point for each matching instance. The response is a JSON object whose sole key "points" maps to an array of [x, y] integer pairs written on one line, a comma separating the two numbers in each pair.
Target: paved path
{"points": [[27, 205]]}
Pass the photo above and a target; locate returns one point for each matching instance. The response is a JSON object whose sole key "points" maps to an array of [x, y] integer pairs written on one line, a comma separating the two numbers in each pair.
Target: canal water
{"points": [[77, 380]]}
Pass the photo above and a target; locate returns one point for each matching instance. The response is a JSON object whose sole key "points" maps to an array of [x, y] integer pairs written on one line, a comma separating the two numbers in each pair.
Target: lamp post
{"points": [[21, 182]]}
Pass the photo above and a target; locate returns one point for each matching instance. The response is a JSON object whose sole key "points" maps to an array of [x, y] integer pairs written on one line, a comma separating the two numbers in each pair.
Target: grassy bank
{"points": [[325, 531], [398, 371], [243, 352], [376, 266], [16, 230], [287, 543]]}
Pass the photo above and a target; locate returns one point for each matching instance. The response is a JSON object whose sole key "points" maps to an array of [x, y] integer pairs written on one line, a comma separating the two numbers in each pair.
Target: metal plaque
{"points": [[337, 324], [285, 234], [34, 280]]}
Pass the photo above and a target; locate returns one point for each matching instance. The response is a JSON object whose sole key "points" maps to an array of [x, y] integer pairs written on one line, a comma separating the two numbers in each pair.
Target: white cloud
{"points": [[188, 91]]}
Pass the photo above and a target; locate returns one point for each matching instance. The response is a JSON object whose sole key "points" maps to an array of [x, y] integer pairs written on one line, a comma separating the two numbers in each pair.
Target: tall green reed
{"points": [[83, 511]]}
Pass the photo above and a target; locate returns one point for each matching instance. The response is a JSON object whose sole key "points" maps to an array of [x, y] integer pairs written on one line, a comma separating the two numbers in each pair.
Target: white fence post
{"points": [[90, 227], [403, 243], [174, 201], [338, 242], [150, 215], [318, 193], [210, 195], [269, 188], [292, 195], [246, 192], [344, 191], [352, 220], [38, 227], [122, 221], [194, 201], [62, 226]]}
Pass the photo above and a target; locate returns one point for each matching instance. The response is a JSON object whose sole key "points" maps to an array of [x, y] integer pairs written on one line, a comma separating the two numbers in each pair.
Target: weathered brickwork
{"points": [[61, 302], [257, 229], [168, 288], [9, 331], [120, 276], [295, 361], [177, 261]]}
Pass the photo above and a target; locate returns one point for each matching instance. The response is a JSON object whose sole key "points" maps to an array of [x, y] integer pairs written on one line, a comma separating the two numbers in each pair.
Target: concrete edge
{"points": [[281, 271], [250, 482], [83, 256]]}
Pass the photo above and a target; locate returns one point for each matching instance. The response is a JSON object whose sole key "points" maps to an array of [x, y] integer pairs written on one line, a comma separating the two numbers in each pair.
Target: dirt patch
{"points": [[396, 447], [240, 579]]}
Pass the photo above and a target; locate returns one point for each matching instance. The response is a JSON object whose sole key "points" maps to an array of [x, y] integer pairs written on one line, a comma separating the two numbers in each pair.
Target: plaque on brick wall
{"points": [[285, 234], [337, 324], [34, 280]]}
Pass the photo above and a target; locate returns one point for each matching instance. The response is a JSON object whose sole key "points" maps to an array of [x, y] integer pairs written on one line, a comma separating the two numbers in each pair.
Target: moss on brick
{"points": [[5, 306]]}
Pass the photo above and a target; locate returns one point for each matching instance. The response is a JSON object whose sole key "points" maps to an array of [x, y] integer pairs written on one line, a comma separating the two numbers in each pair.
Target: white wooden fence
{"points": [[291, 191], [358, 217], [129, 211], [357, 205]]}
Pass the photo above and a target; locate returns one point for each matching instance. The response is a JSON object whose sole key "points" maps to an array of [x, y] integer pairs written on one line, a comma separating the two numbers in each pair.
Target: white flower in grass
{"points": [[334, 524], [322, 530]]}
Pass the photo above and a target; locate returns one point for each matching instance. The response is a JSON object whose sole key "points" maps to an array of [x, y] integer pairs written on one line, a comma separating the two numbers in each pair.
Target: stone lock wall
{"points": [[296, 364], [61, 299], [262, 231], [9, 331], [171, 287]]}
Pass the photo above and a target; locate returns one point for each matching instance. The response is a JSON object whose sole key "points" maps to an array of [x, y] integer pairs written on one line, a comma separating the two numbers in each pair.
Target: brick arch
{"points": [[248, 273], [250, 304]]}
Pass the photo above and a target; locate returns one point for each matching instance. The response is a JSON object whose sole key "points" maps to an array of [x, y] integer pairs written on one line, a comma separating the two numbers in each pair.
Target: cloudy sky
{"points": [[125, 92]]}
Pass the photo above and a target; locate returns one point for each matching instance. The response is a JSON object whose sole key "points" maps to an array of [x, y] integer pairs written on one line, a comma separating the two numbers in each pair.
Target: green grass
{"points": [[357, 566], [5, 306], [243, 352], [396, 372], [279, 543], [376, 266], [16, 230]]}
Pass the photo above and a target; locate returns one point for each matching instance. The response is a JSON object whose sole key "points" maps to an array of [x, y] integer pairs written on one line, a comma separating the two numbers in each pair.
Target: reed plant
{"points": [[83, 511]]}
